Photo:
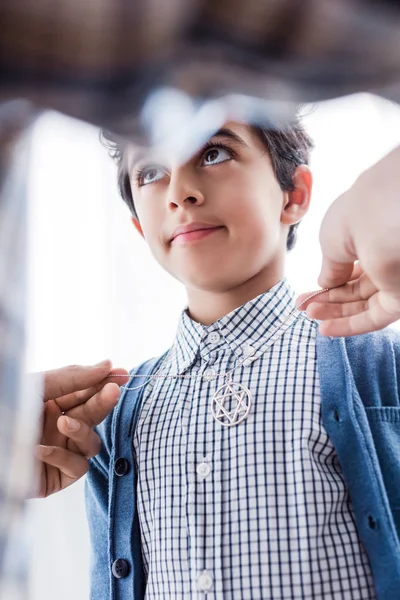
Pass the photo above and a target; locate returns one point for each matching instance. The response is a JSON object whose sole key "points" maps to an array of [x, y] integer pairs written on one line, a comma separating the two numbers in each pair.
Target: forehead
{"points": [[239, 134]]}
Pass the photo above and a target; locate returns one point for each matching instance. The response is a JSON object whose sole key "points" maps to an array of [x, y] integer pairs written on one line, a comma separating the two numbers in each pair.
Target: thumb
{"points": [[60, 382], [334, 273], [337, 245]]}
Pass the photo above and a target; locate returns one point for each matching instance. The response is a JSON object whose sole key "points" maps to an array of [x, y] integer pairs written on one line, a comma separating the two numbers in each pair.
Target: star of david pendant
{"points": [[231, 404]]}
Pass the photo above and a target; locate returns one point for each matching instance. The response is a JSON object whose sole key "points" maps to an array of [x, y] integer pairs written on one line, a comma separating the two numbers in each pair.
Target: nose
{"points": [[183, 190]]}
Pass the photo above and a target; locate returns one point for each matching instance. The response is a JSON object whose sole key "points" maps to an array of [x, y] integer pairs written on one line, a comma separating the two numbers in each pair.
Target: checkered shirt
{"points": [[254, 511]]}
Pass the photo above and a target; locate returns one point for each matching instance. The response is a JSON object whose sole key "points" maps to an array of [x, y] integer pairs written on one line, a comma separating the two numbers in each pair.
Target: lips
{"points": [[193, 232]]}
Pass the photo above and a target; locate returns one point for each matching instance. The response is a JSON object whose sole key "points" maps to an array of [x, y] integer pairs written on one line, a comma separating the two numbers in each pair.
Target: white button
{"points": [[204, 469], [213, 338], [205, 582], [209, 374], [248, 350], [247, 362]]}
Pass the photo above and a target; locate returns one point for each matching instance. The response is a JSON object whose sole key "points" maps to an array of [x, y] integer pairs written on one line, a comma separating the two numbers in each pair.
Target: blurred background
{"points": [[95, 292]]}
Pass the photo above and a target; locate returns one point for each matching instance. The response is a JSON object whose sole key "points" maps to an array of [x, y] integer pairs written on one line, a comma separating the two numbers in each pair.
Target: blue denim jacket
{"points": [[360, 401]]}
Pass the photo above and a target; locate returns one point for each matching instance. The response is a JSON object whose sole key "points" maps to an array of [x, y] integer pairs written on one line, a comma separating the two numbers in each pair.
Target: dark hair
{"points": [[288, 145]]}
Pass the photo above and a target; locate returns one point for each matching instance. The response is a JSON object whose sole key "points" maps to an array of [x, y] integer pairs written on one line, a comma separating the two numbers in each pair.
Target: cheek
{"points": [[151, 223], [252, 208]]}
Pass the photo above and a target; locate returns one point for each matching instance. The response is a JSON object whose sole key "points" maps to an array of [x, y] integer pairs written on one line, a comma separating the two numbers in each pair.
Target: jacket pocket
{"points": [[384, 423]]}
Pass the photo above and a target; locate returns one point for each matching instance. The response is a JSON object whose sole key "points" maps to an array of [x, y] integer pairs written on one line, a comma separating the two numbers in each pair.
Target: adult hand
{"points": [[76, 399], [363, 224]]}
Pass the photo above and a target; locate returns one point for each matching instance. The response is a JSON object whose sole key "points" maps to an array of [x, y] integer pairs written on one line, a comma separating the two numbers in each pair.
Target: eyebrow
{"points": [[228, 133]]}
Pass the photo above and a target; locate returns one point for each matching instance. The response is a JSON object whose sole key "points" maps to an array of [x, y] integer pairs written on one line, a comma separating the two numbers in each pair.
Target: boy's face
{"points": [[229, 195]]}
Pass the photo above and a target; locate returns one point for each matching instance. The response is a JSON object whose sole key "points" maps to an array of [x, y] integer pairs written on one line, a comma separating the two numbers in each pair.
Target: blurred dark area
{"points": [[99, 60]]}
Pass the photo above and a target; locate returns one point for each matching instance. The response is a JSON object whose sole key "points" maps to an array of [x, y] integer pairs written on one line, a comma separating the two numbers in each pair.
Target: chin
{"points": [[207, 281]]}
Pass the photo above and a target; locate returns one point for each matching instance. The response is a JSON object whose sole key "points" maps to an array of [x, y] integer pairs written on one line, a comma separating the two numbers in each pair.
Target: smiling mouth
{"points": [[194, 236]]}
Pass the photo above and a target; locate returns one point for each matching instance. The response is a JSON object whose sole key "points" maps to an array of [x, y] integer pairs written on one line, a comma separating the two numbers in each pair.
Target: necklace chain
{"points": [[159, 375]]}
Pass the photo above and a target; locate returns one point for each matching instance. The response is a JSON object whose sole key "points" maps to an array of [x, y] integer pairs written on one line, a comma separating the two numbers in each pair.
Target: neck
{"points": [[206, 307]]}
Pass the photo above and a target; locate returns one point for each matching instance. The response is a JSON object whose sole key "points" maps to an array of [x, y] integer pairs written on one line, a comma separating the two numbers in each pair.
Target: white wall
{"points": [[95, 291]]}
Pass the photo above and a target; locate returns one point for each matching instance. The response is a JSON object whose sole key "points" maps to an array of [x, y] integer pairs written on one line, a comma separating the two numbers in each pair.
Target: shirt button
{"points": [[209, 374], [247, 362], [121, 467], [248, 350], [214, 337], [120, 568], [205, 582], [204, 469]]}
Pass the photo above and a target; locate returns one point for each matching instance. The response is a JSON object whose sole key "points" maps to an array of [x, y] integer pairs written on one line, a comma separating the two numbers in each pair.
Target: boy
{"points": [[223, 476]]}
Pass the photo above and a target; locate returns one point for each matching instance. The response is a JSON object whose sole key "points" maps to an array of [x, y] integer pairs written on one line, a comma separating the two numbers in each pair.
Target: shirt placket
{"points": [[204, 498]]}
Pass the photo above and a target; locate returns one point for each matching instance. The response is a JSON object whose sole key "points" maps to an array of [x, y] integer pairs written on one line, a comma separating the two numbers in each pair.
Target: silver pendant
{"points": [[231, 404]]}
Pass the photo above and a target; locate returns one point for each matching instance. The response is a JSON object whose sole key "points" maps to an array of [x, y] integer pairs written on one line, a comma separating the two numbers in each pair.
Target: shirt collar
{"points": [[247, 331]]}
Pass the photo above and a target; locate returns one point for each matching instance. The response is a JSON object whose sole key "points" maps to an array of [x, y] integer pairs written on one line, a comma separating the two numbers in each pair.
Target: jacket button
{"points": [[120, 568], [121, 467]]}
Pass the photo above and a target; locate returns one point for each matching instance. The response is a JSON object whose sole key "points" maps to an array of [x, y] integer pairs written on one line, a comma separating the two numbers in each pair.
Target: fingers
{"points": [[63, 464], [51, 436], [305, 299], [85, 440], [381, 310], [60, 382], [79, 397], [95, 410], [355, 290], [325, 311], [354, 325], [67, 442], [334, 273], [71, 467], [346, 271], [64, 452]]}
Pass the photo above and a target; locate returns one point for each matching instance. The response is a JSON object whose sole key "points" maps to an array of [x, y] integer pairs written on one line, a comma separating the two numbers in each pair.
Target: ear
{"points": [[137, 226], [297, 202]]}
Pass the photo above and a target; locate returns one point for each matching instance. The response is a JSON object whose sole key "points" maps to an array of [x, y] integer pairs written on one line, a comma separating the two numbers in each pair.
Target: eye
{"points": [[151, 174], [215, 155]]}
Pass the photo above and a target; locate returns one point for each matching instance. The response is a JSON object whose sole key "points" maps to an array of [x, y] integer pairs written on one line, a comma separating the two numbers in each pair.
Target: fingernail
{"points": [[43, 450], [103, 363], [72, 424]]}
